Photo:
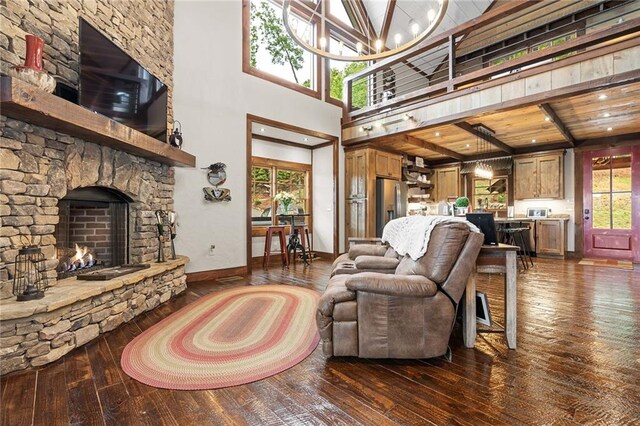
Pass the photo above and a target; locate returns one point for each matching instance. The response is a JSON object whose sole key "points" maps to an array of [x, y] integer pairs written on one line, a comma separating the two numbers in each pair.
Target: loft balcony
{"points": [[538, 74]]}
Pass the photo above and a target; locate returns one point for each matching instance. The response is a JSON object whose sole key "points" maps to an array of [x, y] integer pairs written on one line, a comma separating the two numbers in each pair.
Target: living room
{"points": [[542, 138]]}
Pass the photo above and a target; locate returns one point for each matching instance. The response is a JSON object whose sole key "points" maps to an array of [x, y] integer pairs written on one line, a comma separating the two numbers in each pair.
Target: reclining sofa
{"points": [[379, 304]]}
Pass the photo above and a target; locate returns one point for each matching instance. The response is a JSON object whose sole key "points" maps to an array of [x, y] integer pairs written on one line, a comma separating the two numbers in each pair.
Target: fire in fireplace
{"points": [[93, 230], [81, 259]]}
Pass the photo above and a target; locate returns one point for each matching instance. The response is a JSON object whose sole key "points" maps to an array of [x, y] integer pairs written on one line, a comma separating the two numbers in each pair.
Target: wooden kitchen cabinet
{"points": [[356, 220], [550, 238], [356, 173], [539, 176], [362, 167], [388, 165], [447, 183]]}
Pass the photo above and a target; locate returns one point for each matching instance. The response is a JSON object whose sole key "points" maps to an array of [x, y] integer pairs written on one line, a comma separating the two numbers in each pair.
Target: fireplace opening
{"points": [[93, 231]]}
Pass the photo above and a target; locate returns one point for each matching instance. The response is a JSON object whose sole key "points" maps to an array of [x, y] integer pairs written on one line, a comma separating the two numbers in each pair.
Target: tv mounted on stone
{"points": [[115, 85]]}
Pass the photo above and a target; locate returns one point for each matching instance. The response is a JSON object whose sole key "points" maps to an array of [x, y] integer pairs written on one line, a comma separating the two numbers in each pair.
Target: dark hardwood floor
{"points": [[578, 361]]}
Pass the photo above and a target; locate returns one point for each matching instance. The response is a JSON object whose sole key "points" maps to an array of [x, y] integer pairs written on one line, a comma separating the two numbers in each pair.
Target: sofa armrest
{"points": [[376, 262], [392, 285], [332, 296], [367, 250]]}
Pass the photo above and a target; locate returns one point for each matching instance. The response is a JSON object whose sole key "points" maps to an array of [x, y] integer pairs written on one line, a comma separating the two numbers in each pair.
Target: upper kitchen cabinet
{"points": [[388, 165], [539, 176], [447, 183]]}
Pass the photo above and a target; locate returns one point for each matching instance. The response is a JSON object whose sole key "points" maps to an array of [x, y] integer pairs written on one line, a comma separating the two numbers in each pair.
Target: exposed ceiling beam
{"points": [[611, 141], [361, 15], [388, 17], [488, 138], [546, 108], [412, 140]]}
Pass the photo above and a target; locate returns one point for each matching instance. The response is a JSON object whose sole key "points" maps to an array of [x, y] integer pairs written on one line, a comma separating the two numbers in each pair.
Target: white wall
{"points": [[565, 206], [323, 223], [212, 97], [280, 152]]}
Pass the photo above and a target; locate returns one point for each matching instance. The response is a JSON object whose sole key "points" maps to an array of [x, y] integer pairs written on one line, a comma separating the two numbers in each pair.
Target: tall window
{"points": [[612, 193], [268, 178], [339, 70], [272, 54]]}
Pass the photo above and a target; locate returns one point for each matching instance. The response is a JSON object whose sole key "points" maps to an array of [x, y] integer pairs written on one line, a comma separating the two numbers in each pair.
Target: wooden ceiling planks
{"points": [[518, 128], [449, 137], [585, 115]]}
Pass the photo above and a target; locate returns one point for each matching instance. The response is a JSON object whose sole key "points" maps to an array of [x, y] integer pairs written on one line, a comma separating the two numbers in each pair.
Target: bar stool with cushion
{"points": [[303, 236], [271, 230]]}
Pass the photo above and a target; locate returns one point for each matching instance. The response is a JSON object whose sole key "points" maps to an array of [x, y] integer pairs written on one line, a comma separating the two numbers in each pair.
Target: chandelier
{"points": [[364, 52], [483, 168]]}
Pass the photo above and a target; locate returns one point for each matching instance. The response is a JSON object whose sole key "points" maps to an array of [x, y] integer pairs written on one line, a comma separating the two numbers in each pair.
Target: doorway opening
{"points": [[298, 161]]}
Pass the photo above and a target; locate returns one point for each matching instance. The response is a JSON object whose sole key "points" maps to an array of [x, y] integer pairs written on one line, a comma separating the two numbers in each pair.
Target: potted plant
{"points": [[461, 205], [285, 199]]}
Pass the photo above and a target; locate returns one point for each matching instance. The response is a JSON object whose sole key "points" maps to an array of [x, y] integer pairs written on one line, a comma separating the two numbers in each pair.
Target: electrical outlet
{"points": [[212, 249]]}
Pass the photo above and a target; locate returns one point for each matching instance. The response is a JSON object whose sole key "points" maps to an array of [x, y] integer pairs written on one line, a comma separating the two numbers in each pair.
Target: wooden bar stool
{"points": [[280, 230], [305, 241], [515, 237]]}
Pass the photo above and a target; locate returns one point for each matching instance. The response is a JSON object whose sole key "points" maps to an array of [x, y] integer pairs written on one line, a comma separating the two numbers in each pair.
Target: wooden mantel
{"points": [[22, 101]]}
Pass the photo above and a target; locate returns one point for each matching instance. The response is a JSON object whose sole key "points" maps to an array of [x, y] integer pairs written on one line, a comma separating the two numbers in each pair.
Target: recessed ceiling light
{"points": [[437, 133], [602, 97], [609, 129], [467, 146], [607, 115], [306, 139], [262, 129], [547, 119], [533, 141]]}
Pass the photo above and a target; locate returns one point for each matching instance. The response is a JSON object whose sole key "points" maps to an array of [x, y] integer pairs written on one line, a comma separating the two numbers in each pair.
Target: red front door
{"points": [[612, 203]]}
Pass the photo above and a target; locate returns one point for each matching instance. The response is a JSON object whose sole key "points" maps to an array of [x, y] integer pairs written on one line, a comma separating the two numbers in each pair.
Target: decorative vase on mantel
{"points": [[32, 71]]}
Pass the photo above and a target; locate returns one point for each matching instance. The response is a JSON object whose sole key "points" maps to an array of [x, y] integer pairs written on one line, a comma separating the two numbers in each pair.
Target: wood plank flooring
{"points": [[577, 362]]}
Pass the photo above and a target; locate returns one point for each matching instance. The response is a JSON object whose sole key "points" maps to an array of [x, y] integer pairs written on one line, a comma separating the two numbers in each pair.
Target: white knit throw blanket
{"points": [[410, 235]]}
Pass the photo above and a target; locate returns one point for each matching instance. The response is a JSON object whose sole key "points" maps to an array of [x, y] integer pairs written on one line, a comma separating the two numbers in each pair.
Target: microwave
{"points": [[537, 212]]}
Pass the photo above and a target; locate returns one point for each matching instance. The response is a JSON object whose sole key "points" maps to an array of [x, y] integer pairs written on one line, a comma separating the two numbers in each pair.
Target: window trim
{"points": [[261, 231], [248, 69]]}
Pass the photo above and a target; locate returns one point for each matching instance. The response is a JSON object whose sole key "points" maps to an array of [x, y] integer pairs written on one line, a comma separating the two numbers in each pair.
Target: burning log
{"points": [[81, 259]]}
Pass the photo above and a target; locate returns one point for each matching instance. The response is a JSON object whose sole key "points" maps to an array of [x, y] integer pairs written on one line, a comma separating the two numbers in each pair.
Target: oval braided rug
{"points": [[227, 338]]}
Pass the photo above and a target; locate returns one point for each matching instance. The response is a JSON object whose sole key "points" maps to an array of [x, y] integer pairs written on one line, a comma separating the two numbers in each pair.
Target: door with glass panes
{"points": [[612, 203]]}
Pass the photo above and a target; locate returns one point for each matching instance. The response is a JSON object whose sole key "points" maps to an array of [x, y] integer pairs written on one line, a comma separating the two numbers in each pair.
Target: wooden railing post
{"points": [[452, 61], [347, 95]]}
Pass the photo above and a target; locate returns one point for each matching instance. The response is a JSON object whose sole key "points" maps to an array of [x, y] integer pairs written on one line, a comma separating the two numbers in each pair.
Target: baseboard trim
{"points": [[215, 274]]}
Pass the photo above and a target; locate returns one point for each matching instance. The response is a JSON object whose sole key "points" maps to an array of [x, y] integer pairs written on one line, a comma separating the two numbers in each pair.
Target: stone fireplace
{"points": [[57, 191], [65, 179]]}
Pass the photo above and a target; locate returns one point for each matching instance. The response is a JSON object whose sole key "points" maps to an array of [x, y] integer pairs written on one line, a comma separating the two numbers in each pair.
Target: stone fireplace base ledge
{"points": [[74, 312]]}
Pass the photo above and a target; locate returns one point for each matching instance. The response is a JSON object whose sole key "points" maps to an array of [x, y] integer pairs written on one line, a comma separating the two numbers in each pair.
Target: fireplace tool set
{"points": [[166, 219]]}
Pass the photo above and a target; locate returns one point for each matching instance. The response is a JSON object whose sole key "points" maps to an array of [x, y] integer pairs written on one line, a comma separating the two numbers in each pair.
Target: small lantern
{"points": [[175, 138], [30, 278]]}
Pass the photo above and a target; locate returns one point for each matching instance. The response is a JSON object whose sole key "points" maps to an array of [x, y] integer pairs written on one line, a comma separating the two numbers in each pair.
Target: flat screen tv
{"points": [[114, 85]]}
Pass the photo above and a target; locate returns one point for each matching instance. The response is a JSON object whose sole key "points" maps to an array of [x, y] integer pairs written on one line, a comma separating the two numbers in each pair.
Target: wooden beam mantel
{"points": [[24, 102], [412, 140], [562, 128], [488, 138]]}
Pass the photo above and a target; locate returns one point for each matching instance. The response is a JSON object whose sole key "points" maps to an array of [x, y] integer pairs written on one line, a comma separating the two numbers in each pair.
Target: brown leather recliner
{"points": [[407, 314], [366, 258]]}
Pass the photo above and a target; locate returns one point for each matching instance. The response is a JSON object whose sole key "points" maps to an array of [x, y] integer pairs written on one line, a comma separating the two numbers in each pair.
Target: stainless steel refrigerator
{"points": [[391, 202]]}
